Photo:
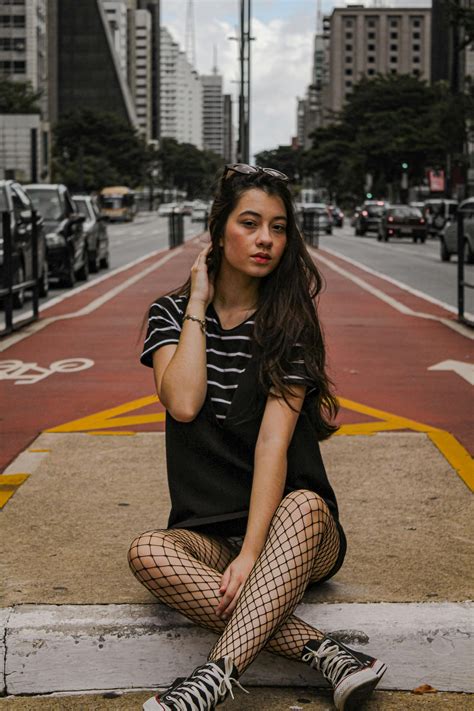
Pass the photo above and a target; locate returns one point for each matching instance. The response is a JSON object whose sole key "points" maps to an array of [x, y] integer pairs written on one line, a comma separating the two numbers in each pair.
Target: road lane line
{"points": [[397, 305], [92, 306], [395, 282]]}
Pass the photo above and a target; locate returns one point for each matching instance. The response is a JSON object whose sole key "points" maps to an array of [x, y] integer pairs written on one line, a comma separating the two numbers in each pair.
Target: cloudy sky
{"points": [[281, 55]]}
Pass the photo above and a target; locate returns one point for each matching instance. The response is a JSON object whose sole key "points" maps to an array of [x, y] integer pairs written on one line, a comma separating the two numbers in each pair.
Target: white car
{"points": [[168, 208]]}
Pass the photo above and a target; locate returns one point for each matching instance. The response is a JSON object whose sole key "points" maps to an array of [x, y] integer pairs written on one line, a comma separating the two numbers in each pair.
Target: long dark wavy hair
{"points": [[287, 301]]}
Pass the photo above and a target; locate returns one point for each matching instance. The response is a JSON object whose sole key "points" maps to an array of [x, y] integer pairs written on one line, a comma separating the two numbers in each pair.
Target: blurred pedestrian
{"points": [[239, 363]]}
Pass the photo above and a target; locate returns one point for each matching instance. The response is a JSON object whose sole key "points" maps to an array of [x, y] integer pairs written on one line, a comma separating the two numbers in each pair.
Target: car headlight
{"points": [[54, 239]]}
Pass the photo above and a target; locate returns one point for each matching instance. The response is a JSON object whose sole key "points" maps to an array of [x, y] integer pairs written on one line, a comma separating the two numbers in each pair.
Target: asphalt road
{"points": [[417, 266]]}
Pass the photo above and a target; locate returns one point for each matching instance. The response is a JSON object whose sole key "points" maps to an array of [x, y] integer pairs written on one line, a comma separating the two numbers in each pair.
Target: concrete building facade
{"points": [[229, 143], [117, 17], [181, 95], [368, 41], [153, 7], [213, 113], [143, 71]]}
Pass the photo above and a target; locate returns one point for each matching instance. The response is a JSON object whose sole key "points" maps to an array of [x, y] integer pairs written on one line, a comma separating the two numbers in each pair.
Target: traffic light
{"points": [[369, 196], [405, 166]]}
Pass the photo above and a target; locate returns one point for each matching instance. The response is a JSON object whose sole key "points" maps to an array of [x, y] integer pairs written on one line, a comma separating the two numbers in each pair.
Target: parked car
{"points": [[402, 221], [95, 231], [15, 201], [449, 236], [337, 216], [368, 218], [314, 216], [437, 213], [201, 209], [68, 256], [168, 208]]}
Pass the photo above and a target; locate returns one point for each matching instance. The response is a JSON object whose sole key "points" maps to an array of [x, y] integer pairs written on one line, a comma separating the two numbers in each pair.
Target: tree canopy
{"points": [[93, 149], [387, 121], [18, 97], [186, 167]]}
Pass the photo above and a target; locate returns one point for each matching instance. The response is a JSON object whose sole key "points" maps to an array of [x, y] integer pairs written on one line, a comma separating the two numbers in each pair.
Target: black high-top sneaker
{"points": [[207, 687], [353, 675]]}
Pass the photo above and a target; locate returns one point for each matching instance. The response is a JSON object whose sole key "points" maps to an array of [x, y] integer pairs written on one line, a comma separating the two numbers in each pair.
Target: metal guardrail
{"points": [[8, 289], [462, 283]]}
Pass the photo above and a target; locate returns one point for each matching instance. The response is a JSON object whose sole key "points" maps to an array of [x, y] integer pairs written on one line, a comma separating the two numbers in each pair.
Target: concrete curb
{"points": [[51, 648]]}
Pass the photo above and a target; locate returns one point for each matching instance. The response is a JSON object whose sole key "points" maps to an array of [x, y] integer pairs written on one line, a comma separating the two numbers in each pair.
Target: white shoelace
{"points": [[206, 690], [332, 661]]}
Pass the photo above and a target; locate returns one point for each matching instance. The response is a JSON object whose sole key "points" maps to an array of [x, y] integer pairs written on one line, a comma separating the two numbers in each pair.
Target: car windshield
{"points": [[47, 203], [405, 211]]}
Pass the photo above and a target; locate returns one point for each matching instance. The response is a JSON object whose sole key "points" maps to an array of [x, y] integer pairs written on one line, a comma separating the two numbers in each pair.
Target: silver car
{"points": [[449, 236]]}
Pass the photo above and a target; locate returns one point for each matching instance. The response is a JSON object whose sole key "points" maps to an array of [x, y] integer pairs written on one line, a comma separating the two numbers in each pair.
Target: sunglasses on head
{"points": [[245, 169]]}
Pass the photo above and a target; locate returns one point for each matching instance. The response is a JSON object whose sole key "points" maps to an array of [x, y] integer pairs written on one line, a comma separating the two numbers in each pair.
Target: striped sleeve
{"points": [[165, 320], [296, 372]]}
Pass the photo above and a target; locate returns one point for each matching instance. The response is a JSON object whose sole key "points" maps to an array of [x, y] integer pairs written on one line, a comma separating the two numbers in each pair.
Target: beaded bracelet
{"points": [[201, 322]]}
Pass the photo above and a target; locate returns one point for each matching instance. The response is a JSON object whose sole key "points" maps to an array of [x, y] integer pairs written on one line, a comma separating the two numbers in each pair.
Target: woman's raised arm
{"points": [[180, 371]]}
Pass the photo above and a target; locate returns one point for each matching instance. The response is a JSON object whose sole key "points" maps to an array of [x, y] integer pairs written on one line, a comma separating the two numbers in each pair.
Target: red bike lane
{"points": [[378, 357]]}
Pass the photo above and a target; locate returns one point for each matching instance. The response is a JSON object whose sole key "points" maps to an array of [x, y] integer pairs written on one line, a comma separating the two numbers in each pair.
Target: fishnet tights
{"points": [[183, 569]]}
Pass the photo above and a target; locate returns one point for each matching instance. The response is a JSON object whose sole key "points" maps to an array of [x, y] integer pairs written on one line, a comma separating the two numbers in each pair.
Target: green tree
{"points": [[187, 168], [18, 97], [93, 149], [285, 158], [386, 122]]}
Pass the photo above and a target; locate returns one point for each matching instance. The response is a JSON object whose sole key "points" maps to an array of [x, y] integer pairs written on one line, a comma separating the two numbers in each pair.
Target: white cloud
{"points": [[281, 57]]}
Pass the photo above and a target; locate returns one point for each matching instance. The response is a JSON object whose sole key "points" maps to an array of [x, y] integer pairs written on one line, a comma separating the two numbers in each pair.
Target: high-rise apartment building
{"points": [[24, 140], [213, 113], [23, 44], [375, 40], [116, 13], [181, 95], [143, 71]]}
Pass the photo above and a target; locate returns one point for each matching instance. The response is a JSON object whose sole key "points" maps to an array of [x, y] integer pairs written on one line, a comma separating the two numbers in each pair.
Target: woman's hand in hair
{"points": [[202, 287], [232, 583]]}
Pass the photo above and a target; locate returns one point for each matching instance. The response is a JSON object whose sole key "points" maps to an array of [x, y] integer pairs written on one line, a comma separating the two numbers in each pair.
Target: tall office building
{"points": [[84, 69], [213, 113], [181, 95], [143, 71], [375, 40], [153, 7], [116, 13]]}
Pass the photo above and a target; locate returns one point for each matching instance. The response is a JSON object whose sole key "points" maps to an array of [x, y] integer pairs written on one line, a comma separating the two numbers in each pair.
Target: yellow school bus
{"points": [[117, 203]]}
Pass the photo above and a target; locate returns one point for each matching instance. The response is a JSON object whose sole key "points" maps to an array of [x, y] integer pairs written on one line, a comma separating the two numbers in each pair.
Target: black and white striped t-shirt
{"points": [[228, 351]]}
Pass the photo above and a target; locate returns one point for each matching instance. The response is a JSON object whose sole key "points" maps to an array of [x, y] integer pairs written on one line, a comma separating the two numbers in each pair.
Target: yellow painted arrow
{"points": [[112, 418], [9, 483]]}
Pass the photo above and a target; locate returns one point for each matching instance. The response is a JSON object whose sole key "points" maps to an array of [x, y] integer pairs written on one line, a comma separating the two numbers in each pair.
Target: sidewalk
{"points": [[92, 459]]}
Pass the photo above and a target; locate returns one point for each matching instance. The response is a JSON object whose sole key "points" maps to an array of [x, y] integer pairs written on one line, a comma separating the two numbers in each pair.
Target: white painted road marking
{"points": [[397, 305], [465, 370], [30, 373], [95, 304]]}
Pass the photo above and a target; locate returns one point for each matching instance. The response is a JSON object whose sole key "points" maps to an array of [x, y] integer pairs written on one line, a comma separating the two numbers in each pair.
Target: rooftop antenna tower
{"points": [[214, 68], [190, 34], [319, 19]]}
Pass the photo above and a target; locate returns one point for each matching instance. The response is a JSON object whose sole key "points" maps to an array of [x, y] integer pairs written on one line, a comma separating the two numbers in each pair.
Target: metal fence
{"points": [[9, 271]]}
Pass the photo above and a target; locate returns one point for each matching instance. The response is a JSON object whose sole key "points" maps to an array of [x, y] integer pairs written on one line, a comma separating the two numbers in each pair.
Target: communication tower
{"points": [[190, 34]]}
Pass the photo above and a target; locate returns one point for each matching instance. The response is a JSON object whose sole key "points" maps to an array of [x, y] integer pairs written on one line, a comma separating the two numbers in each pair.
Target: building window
{"points": [[416, 59], [19, 67], [416, 48], [348, 22], [348, 48], [416, 72], [393, 71], [393, 47], [370, 23], [348, 84], [416, 35], [393, 35], [371, 35], [393, 23], [416, 23], [393, 59], [348, 59], [371, 59], [348, 72], [349, 35], [371, 72]]}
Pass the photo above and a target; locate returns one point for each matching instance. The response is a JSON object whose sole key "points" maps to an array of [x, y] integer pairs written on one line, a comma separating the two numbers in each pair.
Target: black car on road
{"points": [[68, 257], [369, 216], [95, 232], [16, 203], [402, 221]]}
